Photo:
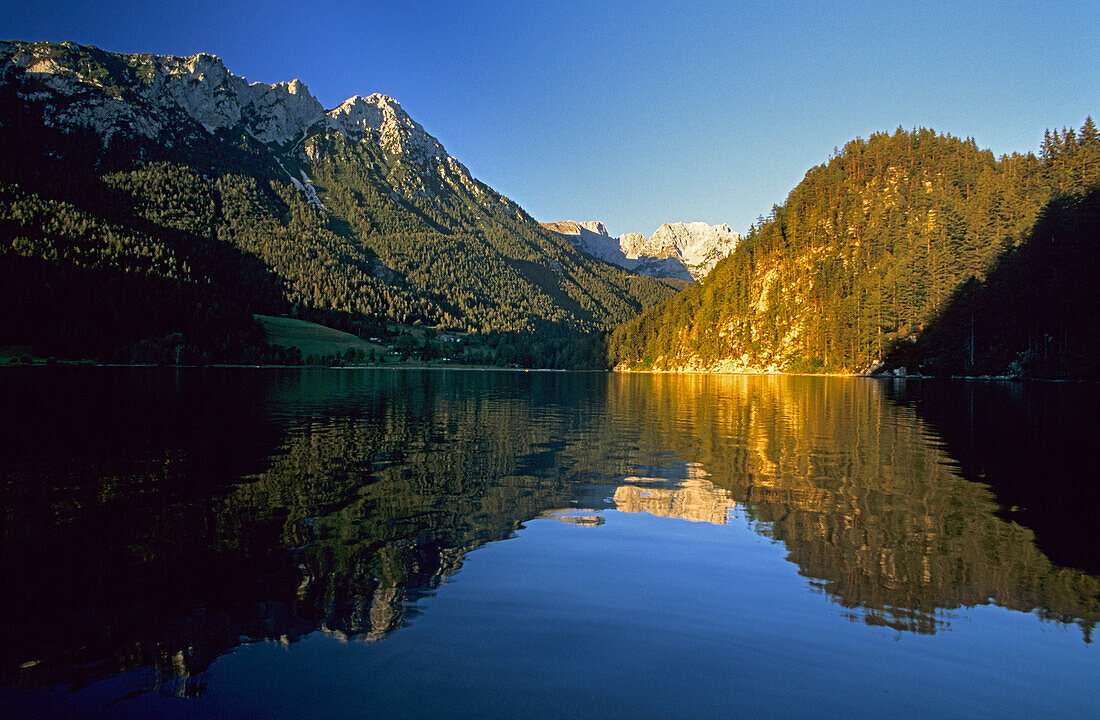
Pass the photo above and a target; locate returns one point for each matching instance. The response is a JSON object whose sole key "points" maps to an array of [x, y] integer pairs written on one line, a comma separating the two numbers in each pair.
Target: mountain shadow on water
{"points": [[111, 314], [1035, 314]]}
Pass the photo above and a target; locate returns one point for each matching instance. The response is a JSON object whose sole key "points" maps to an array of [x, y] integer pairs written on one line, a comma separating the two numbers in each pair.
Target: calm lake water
{"points": [[410, 544]]}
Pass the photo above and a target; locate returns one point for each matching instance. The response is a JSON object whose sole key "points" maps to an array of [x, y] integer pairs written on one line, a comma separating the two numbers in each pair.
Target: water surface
{"points": [[204, 543]]}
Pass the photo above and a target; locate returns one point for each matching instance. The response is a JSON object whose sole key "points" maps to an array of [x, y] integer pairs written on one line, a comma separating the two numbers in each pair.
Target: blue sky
{"points": [[641, 113]]}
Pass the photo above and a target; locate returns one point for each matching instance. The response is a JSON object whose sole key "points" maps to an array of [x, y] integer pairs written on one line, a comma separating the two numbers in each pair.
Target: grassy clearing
{"points": [[311, 338], [12, 353]]}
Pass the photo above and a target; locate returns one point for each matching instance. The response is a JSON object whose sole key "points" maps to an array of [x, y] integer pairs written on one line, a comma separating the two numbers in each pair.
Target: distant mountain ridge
{"points": [[683, 251], [199, 85], [142, 166]]}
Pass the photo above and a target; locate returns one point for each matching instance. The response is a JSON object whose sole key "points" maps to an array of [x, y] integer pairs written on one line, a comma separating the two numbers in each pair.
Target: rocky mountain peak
{"points": [[381, 119], [172, 101], [700, 245], [143, 95], [594, 226], [632, 243], [282, 111], [574, 227], [204, 62], [687, 251]]}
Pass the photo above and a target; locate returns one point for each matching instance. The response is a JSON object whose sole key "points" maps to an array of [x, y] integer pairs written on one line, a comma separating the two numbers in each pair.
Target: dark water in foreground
{"points": [[247, 543]]}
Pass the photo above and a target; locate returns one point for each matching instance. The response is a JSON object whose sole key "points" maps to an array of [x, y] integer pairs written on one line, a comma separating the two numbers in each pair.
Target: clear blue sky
{"points": [[648, 112]]}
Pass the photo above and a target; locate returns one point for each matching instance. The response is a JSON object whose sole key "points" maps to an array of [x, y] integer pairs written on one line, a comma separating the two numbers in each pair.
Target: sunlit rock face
{"points": [[166, 101], [684, 251], [284, 111], [591, 237], [698, 245], [144, 95], [380, 119]]}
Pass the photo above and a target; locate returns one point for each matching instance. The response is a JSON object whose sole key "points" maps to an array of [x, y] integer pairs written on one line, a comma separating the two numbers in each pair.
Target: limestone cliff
{"points": [[685, 251]]}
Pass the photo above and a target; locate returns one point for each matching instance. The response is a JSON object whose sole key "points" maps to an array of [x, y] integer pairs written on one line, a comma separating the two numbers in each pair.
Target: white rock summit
{"points": [[687, 251], [698, 245], [380, 119], [172, 101], [147, 99], [198, 86]]}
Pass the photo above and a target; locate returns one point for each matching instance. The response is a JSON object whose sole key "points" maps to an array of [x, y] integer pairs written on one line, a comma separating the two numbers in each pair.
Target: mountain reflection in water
{"points": [[160, 518]]}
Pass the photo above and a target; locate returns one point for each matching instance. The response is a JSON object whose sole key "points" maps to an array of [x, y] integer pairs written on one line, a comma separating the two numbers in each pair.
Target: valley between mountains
{"points": [[153, 209]]}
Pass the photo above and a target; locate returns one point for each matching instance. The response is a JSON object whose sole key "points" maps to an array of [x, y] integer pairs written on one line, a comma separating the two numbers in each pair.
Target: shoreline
{"points": [[494, 368], [881, 376], [243, 366]]}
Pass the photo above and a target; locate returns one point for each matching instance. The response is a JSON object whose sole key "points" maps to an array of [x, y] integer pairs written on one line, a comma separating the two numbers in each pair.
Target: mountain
{"points": [[150, 204], [591, 237], [683, 251], [697, 245], [907, 252]]}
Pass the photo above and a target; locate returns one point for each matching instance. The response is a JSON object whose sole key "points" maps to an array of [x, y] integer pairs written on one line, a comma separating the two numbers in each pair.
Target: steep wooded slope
{"points": [[868, 251]]}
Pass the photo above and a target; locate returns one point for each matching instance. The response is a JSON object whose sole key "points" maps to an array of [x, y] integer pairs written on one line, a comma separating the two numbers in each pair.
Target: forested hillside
{"points": [[873, 248], [149, 205]]}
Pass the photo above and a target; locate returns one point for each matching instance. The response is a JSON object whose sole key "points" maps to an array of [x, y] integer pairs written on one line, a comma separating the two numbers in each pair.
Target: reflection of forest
{"points": [[379, 484], [1033, 443], [361, 492], [860, 494], [382, 498]]}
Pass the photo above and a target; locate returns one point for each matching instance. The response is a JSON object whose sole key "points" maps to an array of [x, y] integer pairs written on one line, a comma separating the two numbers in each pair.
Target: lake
{"points": [[472, 544]]}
